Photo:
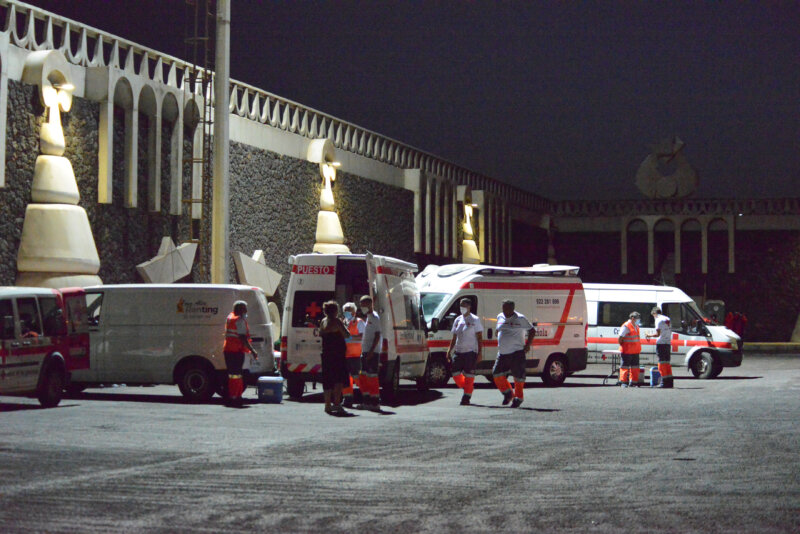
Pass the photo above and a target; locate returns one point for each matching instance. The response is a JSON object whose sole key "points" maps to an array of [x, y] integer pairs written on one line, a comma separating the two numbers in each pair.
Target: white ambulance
{"points": [[171, 334], [43, 340], [699, 344], [318, 278], [550, 296]]}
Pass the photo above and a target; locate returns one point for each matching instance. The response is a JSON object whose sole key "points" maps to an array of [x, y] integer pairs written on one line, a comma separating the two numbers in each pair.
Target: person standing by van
{"points": [[512, 347], [466, 342], [334, 367], [370, 360], [663, 346], [355, 328], [237, 343], [630, 347]]}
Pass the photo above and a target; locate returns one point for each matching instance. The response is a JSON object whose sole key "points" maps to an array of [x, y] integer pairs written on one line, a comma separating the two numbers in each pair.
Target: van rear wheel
{"points": [[555, 371], [196, 382]]}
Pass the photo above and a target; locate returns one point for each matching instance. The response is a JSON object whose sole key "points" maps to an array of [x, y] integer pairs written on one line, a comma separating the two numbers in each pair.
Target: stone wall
{"points": [[275, 201]]}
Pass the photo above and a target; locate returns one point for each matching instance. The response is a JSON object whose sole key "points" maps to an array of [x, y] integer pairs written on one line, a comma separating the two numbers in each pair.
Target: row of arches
{"points": [[659, 238]]}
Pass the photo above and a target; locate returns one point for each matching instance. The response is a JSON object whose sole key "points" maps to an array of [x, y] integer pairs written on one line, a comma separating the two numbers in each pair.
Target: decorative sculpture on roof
{"points": [[329, 237], [651, 180], [170, 263]]}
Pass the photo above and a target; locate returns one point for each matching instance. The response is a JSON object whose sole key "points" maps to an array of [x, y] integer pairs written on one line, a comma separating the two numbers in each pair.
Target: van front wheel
{"points": [[555, 371], [51, 386], [703, 366], [196, 383], [437, 372]]}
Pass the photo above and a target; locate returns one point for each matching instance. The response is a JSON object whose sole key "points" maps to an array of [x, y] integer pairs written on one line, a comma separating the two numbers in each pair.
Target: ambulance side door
{"points": [[30, 347], [8, 342]]}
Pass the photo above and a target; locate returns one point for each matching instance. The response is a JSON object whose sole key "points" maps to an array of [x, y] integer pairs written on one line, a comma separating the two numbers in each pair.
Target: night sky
{"points": [[561, 98]]}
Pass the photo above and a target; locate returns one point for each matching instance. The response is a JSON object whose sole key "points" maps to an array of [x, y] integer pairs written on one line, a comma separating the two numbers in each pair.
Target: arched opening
{"points": [[691, 278], [123, 185], [637, 251], [718, 247], [148, 173], [664, 251], [192, 171]]}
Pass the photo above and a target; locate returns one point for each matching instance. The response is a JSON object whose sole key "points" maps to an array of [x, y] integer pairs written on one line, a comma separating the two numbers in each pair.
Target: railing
{"points": [[33, 28], [619, 208]]}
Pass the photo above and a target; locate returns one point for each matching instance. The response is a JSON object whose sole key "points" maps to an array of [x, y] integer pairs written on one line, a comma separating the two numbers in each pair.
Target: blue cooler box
{"points": [[270, 389]]}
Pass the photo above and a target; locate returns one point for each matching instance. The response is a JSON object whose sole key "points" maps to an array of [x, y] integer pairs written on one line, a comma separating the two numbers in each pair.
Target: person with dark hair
{"points": [[334, 366], [663, 346], [512, 347], [237, 343], [630, 346]]}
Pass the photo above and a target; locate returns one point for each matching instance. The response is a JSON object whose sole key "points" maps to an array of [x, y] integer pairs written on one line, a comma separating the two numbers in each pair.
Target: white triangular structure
{"points": [[170, 264], [254, 272]]}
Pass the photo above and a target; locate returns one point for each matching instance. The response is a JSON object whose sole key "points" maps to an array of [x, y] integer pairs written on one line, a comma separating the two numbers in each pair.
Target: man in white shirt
{"points": [[371, 341], [467, 334], [512, 347], [663, 346]]}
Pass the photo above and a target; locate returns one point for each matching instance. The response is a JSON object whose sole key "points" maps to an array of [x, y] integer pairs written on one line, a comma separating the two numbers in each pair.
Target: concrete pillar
{"points": [[131, 156], [154, 162], [3, 112], [448, 216], [176, 169], [197, 171], [731, 244], [105, 152], [428, 214], [220, 203], [677, 228], [437, 218], [651, 261]]}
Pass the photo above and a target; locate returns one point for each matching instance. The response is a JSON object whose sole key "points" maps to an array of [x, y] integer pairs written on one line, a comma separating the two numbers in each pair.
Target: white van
{"points": [[317, 278], [702, 345], [550, 296], [171, 334]]}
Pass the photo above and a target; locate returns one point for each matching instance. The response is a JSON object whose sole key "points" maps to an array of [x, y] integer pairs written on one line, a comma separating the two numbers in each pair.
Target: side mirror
{"points": [[435, 325]]}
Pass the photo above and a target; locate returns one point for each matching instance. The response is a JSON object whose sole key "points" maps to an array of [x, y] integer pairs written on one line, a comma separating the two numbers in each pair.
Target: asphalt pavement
{"points": [[708, 456]]}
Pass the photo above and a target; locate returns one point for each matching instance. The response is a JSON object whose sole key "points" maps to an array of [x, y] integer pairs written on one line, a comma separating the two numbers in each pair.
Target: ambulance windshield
{"points": [[431, 304]]}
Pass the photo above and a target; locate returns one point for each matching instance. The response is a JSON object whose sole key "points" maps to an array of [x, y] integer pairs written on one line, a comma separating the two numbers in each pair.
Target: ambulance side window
{"points": [[615, 314], [94, 303], [7, 318], [29, 323], [52, 317]]}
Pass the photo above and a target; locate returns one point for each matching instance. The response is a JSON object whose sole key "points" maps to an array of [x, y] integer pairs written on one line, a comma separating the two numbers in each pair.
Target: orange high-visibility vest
{"points": [[631, 343], [232, 341], [354, 347]]}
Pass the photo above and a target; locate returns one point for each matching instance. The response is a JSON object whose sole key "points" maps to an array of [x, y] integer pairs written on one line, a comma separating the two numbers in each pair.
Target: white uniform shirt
{"points": [[371, 330], [664, 330], [466, 330], [512, 332]]}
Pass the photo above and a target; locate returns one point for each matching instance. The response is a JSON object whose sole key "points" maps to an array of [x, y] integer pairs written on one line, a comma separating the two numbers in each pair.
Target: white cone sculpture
{"points": [[470, 252], [329, 237], [57, 247]]}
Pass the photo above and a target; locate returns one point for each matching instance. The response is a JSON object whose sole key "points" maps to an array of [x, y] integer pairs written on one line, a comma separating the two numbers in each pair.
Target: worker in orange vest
{"points": [[355, 326], [237, 343], [630, 345]]}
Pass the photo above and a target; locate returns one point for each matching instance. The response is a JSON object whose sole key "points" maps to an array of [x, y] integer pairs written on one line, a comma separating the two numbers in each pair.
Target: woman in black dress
{"points": [[334, 366]]}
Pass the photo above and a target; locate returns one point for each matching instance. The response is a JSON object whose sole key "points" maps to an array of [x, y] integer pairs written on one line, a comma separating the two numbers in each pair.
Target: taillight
{"points": [[284, 347], [385, 351]]}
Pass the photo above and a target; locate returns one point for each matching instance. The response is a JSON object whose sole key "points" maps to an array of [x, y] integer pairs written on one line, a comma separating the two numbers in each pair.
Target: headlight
{"points": [[734, 344]]}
